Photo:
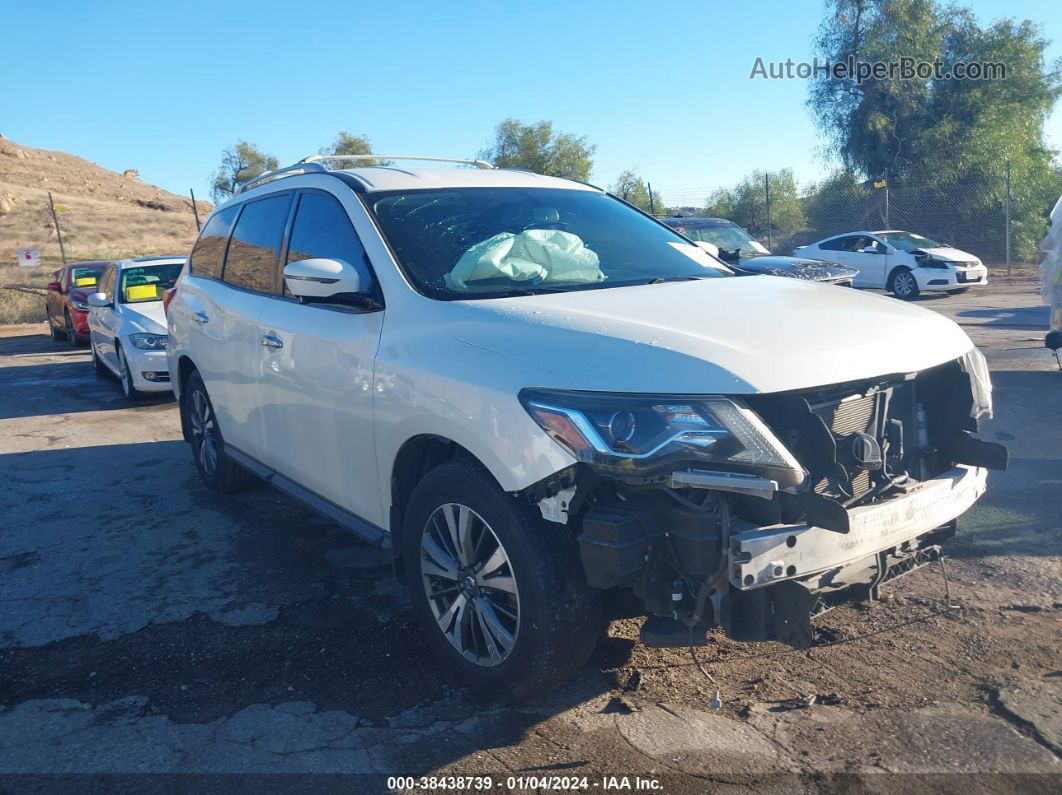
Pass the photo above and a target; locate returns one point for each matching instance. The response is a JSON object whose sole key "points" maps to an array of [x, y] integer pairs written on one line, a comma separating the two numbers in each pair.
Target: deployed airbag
{"points": [[534, 255]]}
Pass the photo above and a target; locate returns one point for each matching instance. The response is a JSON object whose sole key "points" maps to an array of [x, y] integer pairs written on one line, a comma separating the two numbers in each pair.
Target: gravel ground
{"points": [[161, 636]]}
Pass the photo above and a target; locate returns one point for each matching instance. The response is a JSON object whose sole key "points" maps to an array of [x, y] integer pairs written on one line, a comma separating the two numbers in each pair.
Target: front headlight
{"points": [[646, 434], [149, 342]]}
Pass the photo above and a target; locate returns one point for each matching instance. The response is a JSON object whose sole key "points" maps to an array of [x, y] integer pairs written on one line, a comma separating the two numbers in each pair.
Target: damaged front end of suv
{"points": [[756, 513]]}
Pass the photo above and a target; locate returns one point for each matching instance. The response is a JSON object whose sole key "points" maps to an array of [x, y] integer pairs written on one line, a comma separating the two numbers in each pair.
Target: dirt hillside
{"points": [[102, 213]]}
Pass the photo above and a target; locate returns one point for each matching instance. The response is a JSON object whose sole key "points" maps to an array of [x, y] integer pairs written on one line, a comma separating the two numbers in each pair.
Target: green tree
{"points": [[746, 205], [537, 148], [953, 138], [630, 187], [348, 144], [840, 203], [239, 163]]}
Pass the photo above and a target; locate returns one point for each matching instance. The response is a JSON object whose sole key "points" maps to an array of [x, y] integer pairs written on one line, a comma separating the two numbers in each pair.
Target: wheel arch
{"points": [[896, 269], [185, 368], [416, 457]]}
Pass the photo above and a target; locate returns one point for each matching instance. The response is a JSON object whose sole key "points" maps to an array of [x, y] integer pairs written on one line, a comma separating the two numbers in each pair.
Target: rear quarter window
{"points": [[209, 249], [837, 244]]}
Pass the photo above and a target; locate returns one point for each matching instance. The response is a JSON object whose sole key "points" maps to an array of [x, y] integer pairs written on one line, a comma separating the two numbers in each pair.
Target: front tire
{"points": [[71, 334], [216, 469], [903, 285], [499, 592], [125, 376], [97, 363]]}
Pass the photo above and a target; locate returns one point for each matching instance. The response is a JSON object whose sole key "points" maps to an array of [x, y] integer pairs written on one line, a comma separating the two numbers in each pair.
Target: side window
{"points": [[859, 243], [838, 244], [209, 249], [322, 229], [252, 258]]}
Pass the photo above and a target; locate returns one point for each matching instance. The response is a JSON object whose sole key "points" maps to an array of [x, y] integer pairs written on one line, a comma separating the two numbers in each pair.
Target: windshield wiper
{"points": [[521, 292], [665, 279]]}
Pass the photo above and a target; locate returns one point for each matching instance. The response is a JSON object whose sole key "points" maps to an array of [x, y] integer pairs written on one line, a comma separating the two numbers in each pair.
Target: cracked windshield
{"points": [[490, 243]]}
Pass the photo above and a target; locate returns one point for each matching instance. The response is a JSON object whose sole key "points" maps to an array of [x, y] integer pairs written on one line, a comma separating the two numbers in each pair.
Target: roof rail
{"points": [[476, 163], [302, 167], [313, 165]]}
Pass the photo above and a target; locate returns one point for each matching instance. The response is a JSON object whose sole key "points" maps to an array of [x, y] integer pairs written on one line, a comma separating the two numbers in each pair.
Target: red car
{"points": [[67, 301]]}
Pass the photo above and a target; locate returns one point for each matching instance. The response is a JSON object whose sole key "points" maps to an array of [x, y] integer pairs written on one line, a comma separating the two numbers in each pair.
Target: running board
{"points": [[362, 528]]}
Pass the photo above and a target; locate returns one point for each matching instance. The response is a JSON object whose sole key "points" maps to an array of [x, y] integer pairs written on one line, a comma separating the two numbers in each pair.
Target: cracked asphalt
{"points": [[153, 632]]}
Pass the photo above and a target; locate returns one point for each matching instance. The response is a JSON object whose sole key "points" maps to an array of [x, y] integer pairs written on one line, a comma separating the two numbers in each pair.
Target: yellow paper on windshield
{"points": [[85, 281], [141, 292]]}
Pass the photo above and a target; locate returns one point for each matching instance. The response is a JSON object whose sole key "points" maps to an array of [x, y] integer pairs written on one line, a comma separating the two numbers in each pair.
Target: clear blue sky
{"points": [[164, 87]]}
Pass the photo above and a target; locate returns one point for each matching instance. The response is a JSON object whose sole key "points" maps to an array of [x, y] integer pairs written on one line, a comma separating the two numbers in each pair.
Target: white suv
{"points": [[531, 393]]}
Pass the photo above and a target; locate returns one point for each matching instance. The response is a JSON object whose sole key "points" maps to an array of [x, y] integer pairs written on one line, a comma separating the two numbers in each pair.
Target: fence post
{"points": [[1007, 219], [888, 225], [767, 191], [58, 231], [195, 210]]}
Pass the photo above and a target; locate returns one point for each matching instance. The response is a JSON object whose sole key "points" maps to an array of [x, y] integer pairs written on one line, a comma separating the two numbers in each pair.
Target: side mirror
{"points": [[321, 279], [99, 300], [711, 248], [55, 286], [869, 250]]}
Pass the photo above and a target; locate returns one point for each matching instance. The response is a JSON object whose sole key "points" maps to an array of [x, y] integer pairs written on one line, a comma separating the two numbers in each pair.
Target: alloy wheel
{"points": [[904, 284], [470, 584], [204, 432]]}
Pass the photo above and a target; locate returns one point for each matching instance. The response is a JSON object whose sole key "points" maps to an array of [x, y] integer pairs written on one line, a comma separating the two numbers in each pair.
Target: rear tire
{"points": [[219, 472], [903, 285], [57, 335], [528, 620]]}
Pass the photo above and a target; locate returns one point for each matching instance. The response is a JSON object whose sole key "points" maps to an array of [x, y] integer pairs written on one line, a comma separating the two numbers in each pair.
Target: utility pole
{"points": [[58, 231], [652, 204], [767, 193], [1007, 219], [195, 210]]}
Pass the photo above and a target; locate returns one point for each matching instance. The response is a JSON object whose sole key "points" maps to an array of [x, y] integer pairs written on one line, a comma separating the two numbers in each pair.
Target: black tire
{"points": [[68, 331], [219, 472], [125, 378], [558, 614], [902, 284], [57, 335], [97, 363]]}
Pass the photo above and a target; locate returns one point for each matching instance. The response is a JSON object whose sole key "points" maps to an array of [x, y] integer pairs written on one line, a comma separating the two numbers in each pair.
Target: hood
{"points": [[800, 267], [149, 317], [948, 253], [724, 335]]}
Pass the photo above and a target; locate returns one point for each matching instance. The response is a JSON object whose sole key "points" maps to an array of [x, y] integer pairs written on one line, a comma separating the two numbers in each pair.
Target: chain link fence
{"points": [[985, 215]]}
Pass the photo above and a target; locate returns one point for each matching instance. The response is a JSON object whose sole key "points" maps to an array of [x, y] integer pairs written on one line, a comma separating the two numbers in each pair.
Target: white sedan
{"points": [[127, 323], [903, 263]]}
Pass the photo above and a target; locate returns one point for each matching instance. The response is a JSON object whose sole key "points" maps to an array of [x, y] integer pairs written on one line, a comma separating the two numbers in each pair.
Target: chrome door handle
{"points": [[200, 317], [272, 342]]}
